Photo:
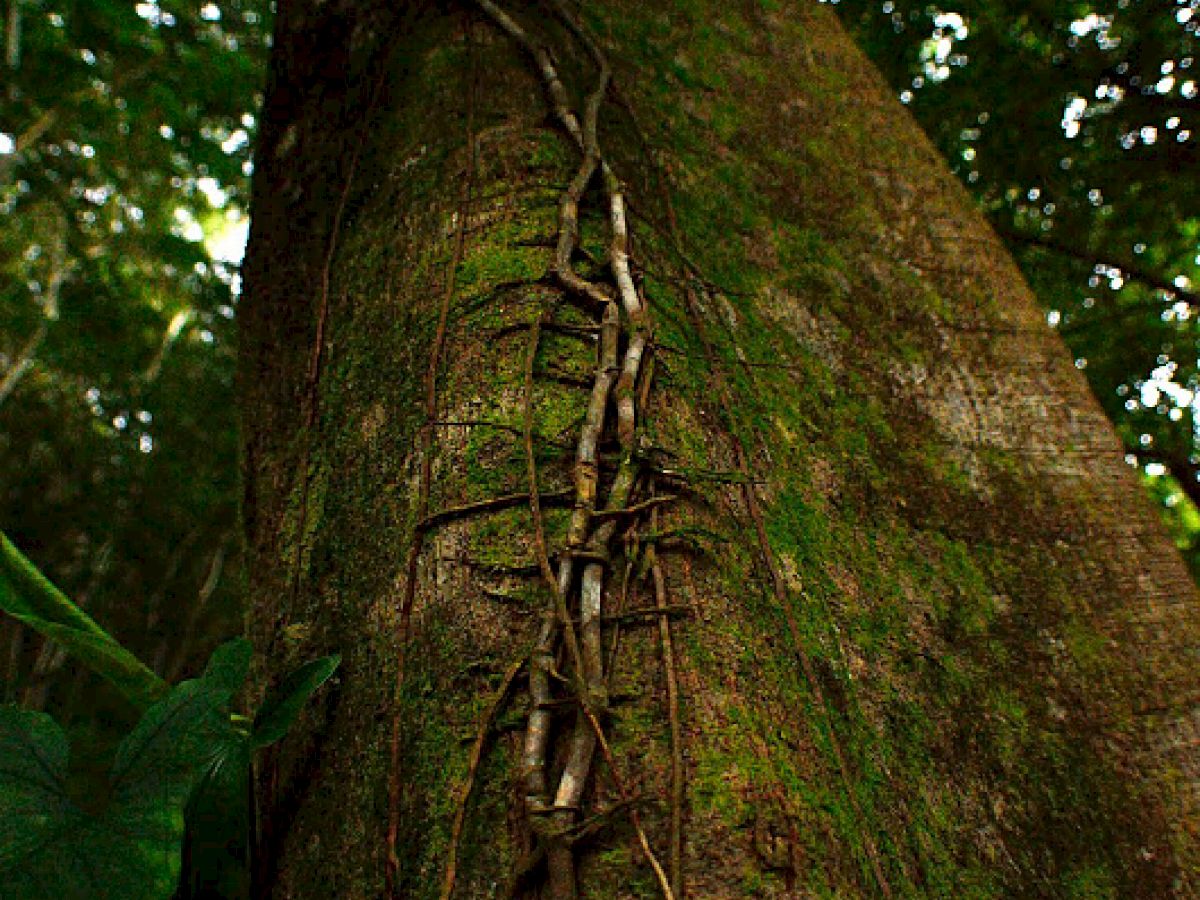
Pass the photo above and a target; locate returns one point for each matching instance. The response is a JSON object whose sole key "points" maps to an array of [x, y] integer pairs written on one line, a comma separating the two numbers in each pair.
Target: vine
{"points": [[570, 631], [566, 662]]}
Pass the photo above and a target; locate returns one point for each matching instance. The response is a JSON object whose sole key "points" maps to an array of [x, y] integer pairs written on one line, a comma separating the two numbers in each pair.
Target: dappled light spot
{"points": [[154, 14]]}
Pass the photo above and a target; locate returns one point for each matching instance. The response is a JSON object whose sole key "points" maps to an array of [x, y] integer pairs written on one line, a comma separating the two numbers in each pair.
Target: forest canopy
{"points": [[125, 154]]}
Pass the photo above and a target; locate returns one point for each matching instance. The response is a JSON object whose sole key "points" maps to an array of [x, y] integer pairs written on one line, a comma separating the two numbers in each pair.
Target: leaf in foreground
{"points": [[126, 844], [30, 597], [283, 706]]}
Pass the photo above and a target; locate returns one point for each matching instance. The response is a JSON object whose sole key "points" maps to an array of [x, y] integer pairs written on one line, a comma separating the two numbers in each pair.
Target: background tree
{"points": [[905, 626]]}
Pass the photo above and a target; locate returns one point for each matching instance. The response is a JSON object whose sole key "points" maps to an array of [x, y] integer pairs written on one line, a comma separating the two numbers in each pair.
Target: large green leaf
{"points": [[125, 842], [229, 665], [217, 842], [281, 708], [33, 763], [27, 595], [175, 741]]}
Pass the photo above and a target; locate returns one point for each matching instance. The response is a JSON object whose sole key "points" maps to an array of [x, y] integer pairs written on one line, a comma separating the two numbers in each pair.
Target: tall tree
{"points": [[698, 499]]}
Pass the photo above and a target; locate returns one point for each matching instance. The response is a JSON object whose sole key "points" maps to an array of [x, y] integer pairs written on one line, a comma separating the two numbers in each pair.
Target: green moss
{"points": [[484, 267], [929, 637], [1093, 883], [550, 152], [615, 872], [712, 787], [306, 500], [1088, 648]]}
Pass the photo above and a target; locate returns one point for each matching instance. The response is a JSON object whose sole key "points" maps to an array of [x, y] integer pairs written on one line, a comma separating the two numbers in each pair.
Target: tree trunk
{"points": [[859, 592]]}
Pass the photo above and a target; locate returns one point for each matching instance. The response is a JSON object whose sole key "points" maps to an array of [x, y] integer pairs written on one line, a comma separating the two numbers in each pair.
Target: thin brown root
{"points": [[492, 504], [535, 508], [675, 859], [650, 612], [634, 818], [477, 751], [623, 597], [636, 509]]}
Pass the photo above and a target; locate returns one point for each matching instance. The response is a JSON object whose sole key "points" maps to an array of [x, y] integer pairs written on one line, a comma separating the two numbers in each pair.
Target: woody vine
{"points": [[567, 665], [569, 661]]}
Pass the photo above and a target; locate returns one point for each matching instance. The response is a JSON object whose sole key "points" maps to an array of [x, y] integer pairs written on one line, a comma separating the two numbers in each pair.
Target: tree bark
{"points": [[936, 641]]}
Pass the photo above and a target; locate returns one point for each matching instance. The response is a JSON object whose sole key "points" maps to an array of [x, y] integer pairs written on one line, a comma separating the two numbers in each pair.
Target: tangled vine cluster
{"points": [[566, 666], [621, 384]]}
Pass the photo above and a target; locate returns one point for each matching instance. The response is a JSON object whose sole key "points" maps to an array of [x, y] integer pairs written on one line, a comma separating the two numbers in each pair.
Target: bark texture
{"points": [[908, 627]]}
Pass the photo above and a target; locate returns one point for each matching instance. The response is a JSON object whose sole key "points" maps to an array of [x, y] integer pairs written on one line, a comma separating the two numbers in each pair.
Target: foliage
{"points": [[281, 709], [1075, 125], [31, 598], [183, 770], [125, 135], [126, 844]]}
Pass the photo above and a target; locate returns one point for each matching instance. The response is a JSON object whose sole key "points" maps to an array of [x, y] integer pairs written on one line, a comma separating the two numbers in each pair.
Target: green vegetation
{"points": [[179, 779], [919, 743], [126, 133]]}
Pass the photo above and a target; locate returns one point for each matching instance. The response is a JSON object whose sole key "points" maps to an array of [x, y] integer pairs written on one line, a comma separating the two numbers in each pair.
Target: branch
{"points": [[491, 504], [1128, 267]]}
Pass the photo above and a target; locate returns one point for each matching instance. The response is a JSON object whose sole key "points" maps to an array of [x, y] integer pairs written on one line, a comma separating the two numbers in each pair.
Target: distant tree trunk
{"points": [[917, 632]]}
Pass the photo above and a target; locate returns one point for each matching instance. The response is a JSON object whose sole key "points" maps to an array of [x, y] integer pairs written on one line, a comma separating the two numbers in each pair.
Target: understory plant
{"points": [[179, 781]]}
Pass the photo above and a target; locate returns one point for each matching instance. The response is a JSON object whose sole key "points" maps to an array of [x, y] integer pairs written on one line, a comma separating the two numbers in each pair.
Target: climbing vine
{"points": [[567, 667], [565, 659], [578, 588]]}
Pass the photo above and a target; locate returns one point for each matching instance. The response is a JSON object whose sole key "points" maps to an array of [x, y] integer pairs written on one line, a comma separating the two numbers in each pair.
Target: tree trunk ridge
{"points": [[933, 641]]}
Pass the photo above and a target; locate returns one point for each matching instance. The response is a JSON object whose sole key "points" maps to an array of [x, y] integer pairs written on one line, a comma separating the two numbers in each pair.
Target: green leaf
{"points": [[217, 841], [172, 744], [283, 706], [28, 596], [229, 665], [33, 762], [123, 841]]}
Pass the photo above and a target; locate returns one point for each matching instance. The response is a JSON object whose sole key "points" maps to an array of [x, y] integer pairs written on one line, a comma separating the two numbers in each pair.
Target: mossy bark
{"points": [[936, 641]]}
